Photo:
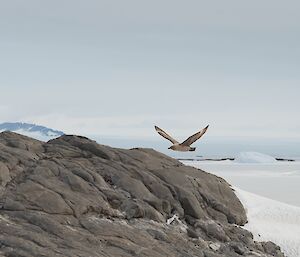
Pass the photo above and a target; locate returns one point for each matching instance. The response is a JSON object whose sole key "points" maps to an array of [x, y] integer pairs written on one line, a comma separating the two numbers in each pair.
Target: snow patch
{"points": [[175, 220], [215, 246], [270, 220], [254, 157], [170, 221], [36, 135]]}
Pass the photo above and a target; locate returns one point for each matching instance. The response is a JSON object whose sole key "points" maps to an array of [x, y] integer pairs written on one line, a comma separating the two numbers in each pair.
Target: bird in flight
{"points": [[185, 146]]}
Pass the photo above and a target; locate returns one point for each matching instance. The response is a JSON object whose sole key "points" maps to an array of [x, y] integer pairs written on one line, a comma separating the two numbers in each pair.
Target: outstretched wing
{"points": [[165, 135], [194, 137]]}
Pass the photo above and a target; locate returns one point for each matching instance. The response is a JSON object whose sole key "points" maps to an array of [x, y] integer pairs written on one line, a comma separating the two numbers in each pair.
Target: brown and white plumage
{"points": [[185, 145], [165, 135]]}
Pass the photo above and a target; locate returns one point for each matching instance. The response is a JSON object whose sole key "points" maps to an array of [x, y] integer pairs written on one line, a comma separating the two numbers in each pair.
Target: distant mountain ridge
{"points": [[32, 130]]}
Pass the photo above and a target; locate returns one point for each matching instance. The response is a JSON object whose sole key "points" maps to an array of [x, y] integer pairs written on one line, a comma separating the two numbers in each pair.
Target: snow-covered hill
{"points": [[268, 220], [31, 130], [274, 221]]}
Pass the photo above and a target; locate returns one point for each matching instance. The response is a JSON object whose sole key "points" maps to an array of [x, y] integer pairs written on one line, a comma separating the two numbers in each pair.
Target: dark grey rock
{"points": [[74, 197], [192, 233], [239, 248], [213, 230], [271, 248]]}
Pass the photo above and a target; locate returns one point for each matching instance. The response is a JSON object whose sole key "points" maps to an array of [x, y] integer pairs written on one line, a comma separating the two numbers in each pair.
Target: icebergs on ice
{"points": [[254, 157]]}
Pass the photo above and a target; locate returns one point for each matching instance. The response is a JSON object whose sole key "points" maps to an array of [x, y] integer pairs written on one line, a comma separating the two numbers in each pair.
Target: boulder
{"points": [[74, 197]]}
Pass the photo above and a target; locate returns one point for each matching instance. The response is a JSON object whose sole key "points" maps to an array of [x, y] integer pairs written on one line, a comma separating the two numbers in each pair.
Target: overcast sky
{"points": [[118, 67]]}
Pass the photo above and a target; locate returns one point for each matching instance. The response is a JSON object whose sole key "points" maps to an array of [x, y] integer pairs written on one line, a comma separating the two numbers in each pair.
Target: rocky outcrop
{"points": [[74, 197]]}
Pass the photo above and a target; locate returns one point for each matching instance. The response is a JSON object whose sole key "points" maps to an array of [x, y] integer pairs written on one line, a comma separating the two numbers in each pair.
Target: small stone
{"points": [[215, 246]]}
